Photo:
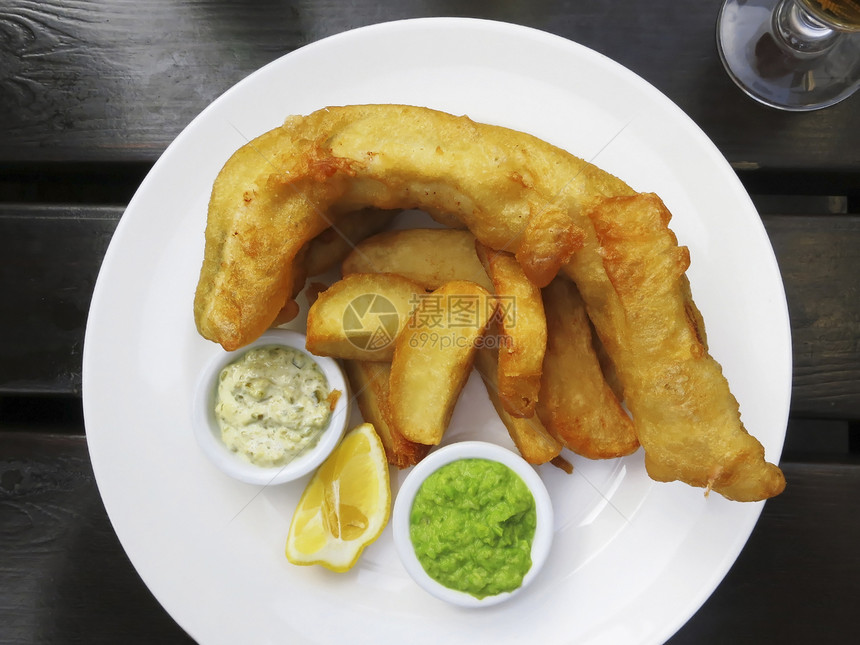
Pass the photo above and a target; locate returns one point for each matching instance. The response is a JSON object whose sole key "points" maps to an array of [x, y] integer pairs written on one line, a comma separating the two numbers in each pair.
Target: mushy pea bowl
{"points": [[473, 524], [270, 412]]}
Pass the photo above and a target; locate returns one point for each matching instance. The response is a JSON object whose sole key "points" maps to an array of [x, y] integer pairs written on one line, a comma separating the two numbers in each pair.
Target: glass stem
{"points": [[800, 30]]}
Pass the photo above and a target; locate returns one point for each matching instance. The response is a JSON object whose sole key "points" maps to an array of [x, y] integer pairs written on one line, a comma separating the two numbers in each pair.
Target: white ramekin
{"points": [[208, 434], [432, 462]]}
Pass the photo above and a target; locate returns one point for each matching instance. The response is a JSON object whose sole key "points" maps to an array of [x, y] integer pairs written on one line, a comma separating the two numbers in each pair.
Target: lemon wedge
{"points": [[345, 505]]}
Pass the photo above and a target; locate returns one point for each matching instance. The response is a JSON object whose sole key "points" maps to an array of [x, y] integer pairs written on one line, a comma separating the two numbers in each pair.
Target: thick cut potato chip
{"points": [[369, 384], [330, 247], [429, 256], [433, 357], [576, 404], [360, 316], [523, 328], [534, 442]]}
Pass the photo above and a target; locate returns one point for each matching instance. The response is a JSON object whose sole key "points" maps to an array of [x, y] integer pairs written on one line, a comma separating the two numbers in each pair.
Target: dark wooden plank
{"points": [[72, 182], [796, 579], [819, 258], [109, 80], [65, 579], [51, 258]]}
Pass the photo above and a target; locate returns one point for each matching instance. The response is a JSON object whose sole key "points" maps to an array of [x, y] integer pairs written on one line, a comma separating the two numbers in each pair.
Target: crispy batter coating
{"points": [[283, 188], [686, 418]]}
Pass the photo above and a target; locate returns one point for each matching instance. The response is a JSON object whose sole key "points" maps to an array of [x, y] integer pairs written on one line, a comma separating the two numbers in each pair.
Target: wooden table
{"points": [[91, 92]]}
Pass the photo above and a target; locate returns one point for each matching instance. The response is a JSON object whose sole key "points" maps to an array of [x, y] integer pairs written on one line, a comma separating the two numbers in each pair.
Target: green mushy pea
{"points": [[472, 524]]}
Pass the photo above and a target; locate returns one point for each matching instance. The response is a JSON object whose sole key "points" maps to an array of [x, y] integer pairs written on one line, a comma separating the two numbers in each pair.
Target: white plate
{"points": [[632, 560]]}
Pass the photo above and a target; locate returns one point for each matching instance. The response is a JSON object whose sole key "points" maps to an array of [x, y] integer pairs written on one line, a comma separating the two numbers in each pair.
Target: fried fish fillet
{"points": [[686, 418], [283, 188]]}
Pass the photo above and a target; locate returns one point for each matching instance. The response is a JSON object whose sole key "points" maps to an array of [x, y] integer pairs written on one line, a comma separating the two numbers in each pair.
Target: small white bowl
{"points": [[427, 466], [208, 433]]}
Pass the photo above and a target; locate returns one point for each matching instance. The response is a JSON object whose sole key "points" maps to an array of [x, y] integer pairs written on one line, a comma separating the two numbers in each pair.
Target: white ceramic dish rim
{"points": [[207, 432], [434, 461]]}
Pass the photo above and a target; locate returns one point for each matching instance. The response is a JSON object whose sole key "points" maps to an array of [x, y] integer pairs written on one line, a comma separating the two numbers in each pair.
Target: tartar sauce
{"points": [[272, 404]]}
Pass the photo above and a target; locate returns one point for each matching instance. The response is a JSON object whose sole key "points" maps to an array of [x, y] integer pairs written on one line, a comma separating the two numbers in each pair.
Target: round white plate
{"points": [[632, 560]]}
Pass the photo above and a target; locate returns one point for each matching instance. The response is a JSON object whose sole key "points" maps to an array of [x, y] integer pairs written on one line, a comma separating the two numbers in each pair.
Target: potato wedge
{"points": [[360, 316], [330, 247], [523, 326], [429, 256], [534, 442], [369, 383], [576, 404], [433, 357]]}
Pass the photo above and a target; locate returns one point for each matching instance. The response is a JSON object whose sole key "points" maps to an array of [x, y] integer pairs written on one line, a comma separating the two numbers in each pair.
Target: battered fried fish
{"points": [[686, 418], [512, 190]]}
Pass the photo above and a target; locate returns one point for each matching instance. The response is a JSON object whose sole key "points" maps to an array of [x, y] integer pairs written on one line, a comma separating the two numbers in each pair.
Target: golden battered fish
{"points": [[686, 418], [279, 191]]}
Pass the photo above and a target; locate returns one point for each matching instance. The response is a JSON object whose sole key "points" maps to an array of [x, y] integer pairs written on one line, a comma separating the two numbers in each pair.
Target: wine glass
{"points": [[792, 54]]}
